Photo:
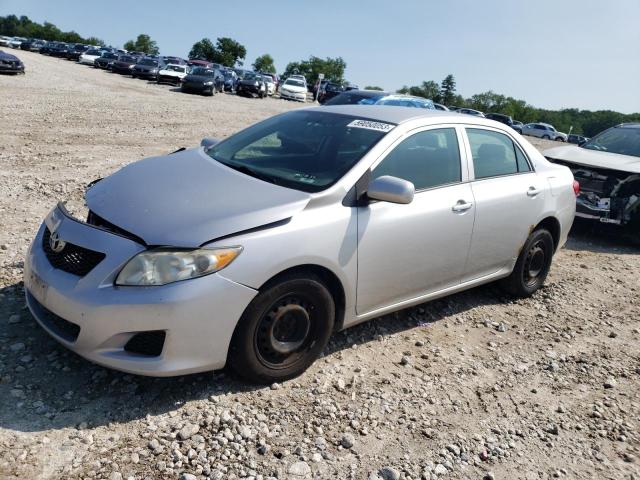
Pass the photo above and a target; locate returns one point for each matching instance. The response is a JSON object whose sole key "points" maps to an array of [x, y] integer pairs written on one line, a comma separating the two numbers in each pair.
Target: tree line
{"points": [[229, 52]]}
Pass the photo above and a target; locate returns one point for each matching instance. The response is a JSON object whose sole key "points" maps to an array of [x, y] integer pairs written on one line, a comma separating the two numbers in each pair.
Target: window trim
{"points": [[464, 167], [469, 154]]}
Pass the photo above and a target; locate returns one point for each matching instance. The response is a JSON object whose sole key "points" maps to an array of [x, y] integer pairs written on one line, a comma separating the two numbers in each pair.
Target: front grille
{"points": [[59, 326], [72, 259], [149, 344]]}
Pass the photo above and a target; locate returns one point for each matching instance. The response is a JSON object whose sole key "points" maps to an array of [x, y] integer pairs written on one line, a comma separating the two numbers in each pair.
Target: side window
{"points": [[495, 154], [427, 159]]}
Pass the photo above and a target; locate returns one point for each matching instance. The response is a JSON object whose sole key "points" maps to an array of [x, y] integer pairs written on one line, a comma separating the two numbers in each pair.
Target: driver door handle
{"points": [[462, 206], [533, 191]]}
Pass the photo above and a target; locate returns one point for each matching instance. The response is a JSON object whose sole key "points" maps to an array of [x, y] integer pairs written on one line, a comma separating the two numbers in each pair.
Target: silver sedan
{"points": [[252, 251]]}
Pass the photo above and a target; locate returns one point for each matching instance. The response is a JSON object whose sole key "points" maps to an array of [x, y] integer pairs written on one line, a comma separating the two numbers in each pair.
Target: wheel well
{"points": [[330, 280], [553, 226]]}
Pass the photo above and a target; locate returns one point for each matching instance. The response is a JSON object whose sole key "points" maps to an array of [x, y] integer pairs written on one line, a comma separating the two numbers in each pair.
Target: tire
{"points": [[283, 330], [560, 139], [533, 265]]}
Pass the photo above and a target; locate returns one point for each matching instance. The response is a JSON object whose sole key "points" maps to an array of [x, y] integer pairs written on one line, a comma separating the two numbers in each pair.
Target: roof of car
{"points": [[397, 115], [629, 125]]}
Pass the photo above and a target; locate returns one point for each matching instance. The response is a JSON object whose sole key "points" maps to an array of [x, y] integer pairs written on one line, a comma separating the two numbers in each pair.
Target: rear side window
{"points": [[495, 154], [427, 159]]}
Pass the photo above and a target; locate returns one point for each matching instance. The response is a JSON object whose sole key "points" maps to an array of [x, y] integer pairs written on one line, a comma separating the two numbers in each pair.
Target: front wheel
{"points": [[532, 266], [283, 330]]}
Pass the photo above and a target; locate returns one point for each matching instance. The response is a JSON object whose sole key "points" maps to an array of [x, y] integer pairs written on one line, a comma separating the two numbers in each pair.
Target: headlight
{"points": [[208, 83], [131, 66], [162, 266], [154, 70]]}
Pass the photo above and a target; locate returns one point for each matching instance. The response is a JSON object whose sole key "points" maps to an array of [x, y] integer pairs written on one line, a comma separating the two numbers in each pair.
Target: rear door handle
{"points": [[533, 191], [462, 206]]}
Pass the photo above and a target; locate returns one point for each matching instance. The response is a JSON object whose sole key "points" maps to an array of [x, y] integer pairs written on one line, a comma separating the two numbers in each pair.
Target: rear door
{"points": [[509, 200], [405, 251]]}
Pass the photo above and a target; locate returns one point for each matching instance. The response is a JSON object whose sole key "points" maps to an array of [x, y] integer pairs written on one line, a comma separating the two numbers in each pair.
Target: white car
{"points": [[543, 130], [302, 78], [172, 73], [294, 89], [15, 42], [89, 57], [271, 85], [5, 41]]}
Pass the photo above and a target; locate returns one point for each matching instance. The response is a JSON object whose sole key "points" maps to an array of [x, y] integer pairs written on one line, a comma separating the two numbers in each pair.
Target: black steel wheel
{"points": [[533, 264], [283, 330]]}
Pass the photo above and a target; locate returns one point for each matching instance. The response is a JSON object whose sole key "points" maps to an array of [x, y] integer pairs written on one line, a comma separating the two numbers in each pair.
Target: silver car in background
{"points": [[252, 251], [544, 131]]}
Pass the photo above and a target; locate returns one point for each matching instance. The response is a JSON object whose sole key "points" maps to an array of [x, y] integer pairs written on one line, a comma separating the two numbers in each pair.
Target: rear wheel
{"points": [[532, 266], [283, 330]]}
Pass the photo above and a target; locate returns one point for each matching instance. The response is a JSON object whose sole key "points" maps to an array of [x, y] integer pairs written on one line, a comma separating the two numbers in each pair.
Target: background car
{"points": [[10, 63], [440, 107], [499, 117], [89, 57], [252, 84], [517, 126], [270, 84], [544, 131], [577, 139], [147, 68], [202, 80], [294, 89], [172, 74], [328, 90], [230, 80], [124, 64], [106, 60], [608, 169], [74, 52], [375, 97], [470, 111]]}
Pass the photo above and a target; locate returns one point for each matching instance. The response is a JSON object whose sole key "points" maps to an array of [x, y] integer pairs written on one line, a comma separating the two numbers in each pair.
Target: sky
{"points": [[552, 53]]}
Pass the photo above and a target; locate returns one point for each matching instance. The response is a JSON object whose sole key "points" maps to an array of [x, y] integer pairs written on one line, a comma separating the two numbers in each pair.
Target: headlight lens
{"points": [[208, 83], [162, 266]]}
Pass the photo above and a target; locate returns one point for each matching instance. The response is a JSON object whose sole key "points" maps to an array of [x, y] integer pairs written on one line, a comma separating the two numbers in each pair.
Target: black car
{"points": [[106, 60], [59, 50], [10, 63], [74, 52], [328, 91], [577, 139], [124, 64], [26, 45], [499, 117], [147, 68], [202, 80], [252, 84]]}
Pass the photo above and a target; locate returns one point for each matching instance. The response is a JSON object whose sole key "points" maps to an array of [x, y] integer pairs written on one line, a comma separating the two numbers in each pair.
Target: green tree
{"points": [[370, 87], [203, 50], [228, 52], [13, 26], [332, 68], [264, 63], [143, 43], [448, 89]]}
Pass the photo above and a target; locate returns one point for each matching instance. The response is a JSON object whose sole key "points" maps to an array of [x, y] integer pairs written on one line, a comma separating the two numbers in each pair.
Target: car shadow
{"points": [[602, 238], [44, 386]]}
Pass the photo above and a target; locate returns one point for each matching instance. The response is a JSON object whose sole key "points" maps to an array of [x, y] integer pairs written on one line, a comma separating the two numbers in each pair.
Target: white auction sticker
{"points": [[370, 125]]}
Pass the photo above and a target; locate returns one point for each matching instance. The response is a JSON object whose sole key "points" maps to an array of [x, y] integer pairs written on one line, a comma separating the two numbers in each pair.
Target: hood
{"points": [[8, 57], [187, 199], [294, 88], [250, 82], [146, 68], [594, 158]]}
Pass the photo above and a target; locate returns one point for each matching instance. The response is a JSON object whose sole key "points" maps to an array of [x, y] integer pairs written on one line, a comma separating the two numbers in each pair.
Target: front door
{"points": [[405, 251]]}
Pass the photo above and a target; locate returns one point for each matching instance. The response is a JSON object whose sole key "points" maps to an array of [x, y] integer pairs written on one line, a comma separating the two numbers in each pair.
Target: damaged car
{"points": [[252, 251], [607, 167]]}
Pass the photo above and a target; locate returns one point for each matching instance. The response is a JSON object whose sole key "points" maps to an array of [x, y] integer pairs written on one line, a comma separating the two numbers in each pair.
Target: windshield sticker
{"points": [[369, 125]]}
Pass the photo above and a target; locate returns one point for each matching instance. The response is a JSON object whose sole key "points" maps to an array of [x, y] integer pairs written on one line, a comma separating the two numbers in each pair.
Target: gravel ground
{"points": [[475, 386]]}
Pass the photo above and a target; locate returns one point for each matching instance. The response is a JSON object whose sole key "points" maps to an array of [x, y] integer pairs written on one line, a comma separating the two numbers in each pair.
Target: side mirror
{"points": [[391, 189], [581, 142], [208, 142]]}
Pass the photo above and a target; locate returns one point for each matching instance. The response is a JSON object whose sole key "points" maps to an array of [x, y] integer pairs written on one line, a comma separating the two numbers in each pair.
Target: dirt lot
{"points": [[474, 386]]}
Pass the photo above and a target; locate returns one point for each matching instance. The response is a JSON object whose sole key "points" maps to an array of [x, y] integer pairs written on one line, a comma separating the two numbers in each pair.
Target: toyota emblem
{"points": [[56, 243]]}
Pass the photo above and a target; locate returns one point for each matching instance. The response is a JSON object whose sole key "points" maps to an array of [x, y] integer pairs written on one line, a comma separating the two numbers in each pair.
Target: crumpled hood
{"points": [[187, 199], [594, 158]]}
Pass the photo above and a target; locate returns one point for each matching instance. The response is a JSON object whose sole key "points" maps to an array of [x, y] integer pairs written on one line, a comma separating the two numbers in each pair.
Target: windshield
{"points": [[93, 52], [622, 140], [355, 99], [204, 72], [305, 150], [252, 77], [148, 61], [127, 59], [294, 83], [110, 55]]}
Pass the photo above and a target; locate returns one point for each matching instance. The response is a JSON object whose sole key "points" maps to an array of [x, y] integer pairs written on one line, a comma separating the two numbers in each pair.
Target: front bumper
{"points": [[12, 67], [601, 210], [301, 97], [144, 74], [197, 87], [198, 316], [169, 79], [248, 89]]}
